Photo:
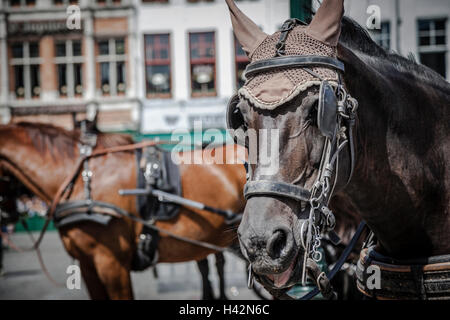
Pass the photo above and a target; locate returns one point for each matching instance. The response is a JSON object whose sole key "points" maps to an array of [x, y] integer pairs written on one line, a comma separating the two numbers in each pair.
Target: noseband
{"points": [[335, 119]]}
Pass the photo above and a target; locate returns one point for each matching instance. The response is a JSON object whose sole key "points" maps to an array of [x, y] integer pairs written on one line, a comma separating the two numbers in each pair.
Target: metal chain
{"points": [[347, 107]]}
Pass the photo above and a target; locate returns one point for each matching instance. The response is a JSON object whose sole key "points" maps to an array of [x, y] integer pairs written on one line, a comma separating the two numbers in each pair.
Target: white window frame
{"points": [[381, 37], [69, 60], [109, 3], [112, 58], [64, 3], [26, 61], [23, 3], [431, 34]]}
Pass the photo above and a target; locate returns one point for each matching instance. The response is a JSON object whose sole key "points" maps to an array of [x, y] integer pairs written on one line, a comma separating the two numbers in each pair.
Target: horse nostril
{"points": [[276, 244]]}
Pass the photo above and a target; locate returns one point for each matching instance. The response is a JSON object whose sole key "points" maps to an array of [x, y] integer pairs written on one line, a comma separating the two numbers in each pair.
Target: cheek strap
{"points": [[276, 189]]}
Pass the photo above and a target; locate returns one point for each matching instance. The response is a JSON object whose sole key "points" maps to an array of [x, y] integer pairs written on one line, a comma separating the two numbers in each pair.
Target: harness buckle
{"points": [[330, 220], [87, 175]]}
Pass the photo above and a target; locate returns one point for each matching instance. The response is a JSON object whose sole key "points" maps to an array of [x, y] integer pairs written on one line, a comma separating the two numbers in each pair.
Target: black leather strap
{"points": [[293, 62], [374, 255], [351, 146], [277, 189], [287, 26]]}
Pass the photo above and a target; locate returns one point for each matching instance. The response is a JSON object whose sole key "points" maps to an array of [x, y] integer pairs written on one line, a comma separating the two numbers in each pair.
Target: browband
{"points": [[293, 62], [278, 189]]}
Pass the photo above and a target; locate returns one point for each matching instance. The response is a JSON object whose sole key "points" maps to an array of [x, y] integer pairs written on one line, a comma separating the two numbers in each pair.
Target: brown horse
{"points": [[400, 183], [41, 156]]}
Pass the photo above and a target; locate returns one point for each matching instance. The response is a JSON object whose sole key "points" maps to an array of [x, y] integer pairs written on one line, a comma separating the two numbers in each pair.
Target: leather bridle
{"points": [[336, 118]]}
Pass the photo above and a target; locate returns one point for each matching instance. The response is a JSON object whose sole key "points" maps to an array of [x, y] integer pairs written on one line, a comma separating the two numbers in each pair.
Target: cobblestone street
{"points": [[24, 279]]}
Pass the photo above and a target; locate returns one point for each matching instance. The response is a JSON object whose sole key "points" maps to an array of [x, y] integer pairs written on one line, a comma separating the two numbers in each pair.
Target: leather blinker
{"points": [[235, 121], [327, 110]]}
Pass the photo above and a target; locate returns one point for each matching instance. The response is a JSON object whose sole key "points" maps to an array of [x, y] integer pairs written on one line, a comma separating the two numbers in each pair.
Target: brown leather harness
{"points": [[67, 185], [110, 209]]}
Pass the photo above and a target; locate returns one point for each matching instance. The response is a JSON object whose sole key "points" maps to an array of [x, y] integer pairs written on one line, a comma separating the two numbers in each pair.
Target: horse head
{"points": [[293, 86]]}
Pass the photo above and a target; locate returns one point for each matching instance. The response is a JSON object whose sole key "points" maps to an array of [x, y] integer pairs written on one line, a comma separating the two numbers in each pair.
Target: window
{"points": [[64, 2], [383, 36], [203, 64], [69, 65], [111, 66], [108, 2], [157, 65], [19, 3], [194, 1], [432, 44], [241, 62], [25, 62]]}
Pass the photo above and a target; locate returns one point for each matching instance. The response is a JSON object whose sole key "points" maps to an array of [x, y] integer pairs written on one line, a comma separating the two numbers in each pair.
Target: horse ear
{"points": [[326, 24], [247, 32]]}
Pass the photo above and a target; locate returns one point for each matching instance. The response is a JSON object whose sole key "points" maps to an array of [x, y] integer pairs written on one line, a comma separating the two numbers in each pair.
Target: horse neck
{"points": [[387, 187], [41, 171]]}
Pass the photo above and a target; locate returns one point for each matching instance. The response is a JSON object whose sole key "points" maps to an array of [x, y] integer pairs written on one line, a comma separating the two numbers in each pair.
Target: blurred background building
{"points": [[192, 62], [50, 68], [413, 28], [150, 67]]}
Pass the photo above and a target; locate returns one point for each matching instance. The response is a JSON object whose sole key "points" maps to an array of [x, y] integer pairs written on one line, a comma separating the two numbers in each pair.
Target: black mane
{"points": [[356, 37]]}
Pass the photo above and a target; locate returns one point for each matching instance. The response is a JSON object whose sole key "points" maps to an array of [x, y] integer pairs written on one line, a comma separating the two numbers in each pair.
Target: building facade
{"points": [[192, 62], [64, 56], [153, 66]]}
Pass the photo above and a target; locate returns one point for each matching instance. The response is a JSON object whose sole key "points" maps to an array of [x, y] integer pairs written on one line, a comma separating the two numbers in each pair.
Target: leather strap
{"points": [[293, 62], [426, 278], [287, 26], [90, 206], [376, 256], [276, 189], [68, 183], [351, 146]]}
